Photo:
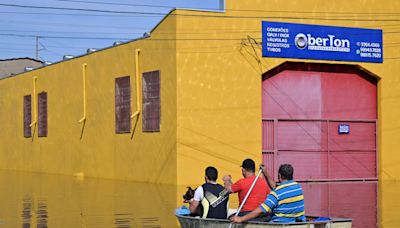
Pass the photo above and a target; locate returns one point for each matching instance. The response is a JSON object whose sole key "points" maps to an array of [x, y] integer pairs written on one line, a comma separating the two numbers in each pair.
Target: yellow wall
{"points": [[219, 78], [210, 91], [219, 102], [93, 149], [219, 82]]}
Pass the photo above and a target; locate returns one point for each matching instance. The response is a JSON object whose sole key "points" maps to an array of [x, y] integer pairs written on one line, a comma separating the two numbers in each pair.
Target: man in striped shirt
{"points": [[285, 202]]}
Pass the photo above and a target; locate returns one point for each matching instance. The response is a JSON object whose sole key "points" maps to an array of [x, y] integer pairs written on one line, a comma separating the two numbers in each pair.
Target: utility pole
{"points": [[39, 47]]}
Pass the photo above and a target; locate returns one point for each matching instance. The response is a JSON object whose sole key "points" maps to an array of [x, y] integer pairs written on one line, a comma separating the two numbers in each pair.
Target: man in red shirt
{"points": [[257, 195]]}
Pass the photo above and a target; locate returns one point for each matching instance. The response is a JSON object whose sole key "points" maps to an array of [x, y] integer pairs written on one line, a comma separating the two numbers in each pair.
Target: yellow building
{"points": [[101, 114]]}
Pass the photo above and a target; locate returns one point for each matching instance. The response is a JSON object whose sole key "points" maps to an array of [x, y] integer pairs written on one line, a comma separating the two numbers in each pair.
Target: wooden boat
{"points": [[193, 222]]}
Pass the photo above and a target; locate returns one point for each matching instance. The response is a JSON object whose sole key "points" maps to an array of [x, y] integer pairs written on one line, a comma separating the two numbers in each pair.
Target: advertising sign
{"points": [[302, 41]]}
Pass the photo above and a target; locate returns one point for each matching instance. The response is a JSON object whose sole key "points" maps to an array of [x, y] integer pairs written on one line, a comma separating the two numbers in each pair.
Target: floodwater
{"points": [[43, 200]]}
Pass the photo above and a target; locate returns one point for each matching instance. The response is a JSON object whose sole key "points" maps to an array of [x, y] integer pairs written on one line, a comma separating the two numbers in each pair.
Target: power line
{"points": [[141, 31], [73, 32], [65, 37], [152, 39], [234, 10], [195, 15], [125, 15], [75, 25], [80, 9], [123, 4], [167, 31], [76, 14], [19, 49]]}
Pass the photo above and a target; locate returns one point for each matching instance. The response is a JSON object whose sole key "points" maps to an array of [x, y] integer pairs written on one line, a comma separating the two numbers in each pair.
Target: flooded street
{"points": [[43, 200]]}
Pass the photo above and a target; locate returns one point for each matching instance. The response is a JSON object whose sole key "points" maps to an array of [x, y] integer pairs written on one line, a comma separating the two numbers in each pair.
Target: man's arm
{"points": [[195, 202], [266, 207], [193, 205], [251, 215], [271, 182], [227, 182]]}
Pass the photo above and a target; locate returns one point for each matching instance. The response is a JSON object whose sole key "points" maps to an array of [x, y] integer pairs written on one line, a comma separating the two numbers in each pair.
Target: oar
{"points": [[247, 195]]}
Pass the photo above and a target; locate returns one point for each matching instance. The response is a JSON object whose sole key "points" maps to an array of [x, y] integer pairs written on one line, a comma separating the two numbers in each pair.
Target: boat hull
{"points": [[192, 222]]}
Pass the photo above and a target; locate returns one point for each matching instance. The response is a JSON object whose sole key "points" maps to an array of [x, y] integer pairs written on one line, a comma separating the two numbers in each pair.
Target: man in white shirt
{"points": [[210, 200]]}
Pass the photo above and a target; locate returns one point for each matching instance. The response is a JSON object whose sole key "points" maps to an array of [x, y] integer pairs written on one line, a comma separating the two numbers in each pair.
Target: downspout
{"points": [[84, 66], [34, 122], [137, 51]]}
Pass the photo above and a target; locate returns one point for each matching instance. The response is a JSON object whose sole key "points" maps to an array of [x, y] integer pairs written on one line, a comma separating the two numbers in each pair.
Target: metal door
{"points": [[321, 118], [319, 151]]}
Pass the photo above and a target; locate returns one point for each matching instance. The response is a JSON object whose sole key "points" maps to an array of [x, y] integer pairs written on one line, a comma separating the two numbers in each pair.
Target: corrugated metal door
{"points": [[324, 123], [355, 199]]}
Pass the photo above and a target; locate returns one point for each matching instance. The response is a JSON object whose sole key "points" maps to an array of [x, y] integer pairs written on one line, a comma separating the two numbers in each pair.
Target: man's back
{"points": [[286, 203], [214, 204], [209, 197], [257, 195]]}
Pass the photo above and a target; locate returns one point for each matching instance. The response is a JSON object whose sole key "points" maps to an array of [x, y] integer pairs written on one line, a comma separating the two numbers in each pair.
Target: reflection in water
{"points": [[150, 222], [28, 208], [123, 220], [356, 200], [26, 212], [42, 200], [41, 214]]}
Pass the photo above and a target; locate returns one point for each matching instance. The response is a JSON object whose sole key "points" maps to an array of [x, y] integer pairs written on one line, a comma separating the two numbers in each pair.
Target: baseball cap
{"points": [[248, 164]]}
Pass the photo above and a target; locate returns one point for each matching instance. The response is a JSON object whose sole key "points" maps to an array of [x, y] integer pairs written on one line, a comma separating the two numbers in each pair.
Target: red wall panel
{"points": [[292, 94], [347, 96], [356, 200]]}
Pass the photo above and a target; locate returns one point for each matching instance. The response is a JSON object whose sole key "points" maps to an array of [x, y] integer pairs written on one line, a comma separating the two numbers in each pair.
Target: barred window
{"points": [[27, 116], [42, 114], [151, 101], [123, 105]]}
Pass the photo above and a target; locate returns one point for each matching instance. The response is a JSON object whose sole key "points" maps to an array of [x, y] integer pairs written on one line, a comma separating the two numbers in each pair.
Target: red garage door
{"points": [[321, 118]]}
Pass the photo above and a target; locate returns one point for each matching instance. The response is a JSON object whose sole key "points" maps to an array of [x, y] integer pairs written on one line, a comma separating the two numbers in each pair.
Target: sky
{"points": [[71, 32]]}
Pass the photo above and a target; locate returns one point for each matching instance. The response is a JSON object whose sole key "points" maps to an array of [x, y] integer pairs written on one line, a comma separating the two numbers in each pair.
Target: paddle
{"points": [[247, 195]]}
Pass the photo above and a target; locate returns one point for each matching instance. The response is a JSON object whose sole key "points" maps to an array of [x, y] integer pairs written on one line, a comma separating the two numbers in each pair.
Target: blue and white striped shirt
{"points": [[285, 203]]}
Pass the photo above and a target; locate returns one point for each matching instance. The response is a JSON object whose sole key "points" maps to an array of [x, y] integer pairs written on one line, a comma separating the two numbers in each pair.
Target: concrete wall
{"points": [[93, 149], [219, 72], [211, 69], [219, 96], [219, 82]]}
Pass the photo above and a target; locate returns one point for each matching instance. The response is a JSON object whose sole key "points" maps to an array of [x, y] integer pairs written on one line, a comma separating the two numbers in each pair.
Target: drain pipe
{"points": [[34, 122], [84, 66], [137, 51]]}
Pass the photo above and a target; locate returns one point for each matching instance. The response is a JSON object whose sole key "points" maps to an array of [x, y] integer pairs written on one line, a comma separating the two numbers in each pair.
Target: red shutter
{"points": [[151, 101], [123, 105], [27, 116], [42, 114]]}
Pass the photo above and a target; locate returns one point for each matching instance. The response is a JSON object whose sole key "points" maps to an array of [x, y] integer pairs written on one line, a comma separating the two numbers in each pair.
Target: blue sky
{"points": [[21, 22]]}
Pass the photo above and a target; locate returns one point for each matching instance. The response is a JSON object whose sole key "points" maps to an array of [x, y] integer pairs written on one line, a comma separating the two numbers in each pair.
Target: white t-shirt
{"points": [[199, 194]]}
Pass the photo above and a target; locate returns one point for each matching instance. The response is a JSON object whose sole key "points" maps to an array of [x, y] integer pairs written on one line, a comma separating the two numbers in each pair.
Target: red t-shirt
{"points": [[257, 195]]}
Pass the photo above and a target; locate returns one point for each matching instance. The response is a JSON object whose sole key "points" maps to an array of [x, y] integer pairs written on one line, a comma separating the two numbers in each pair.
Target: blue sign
{"points": [[344, 128], [301, 41]]}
